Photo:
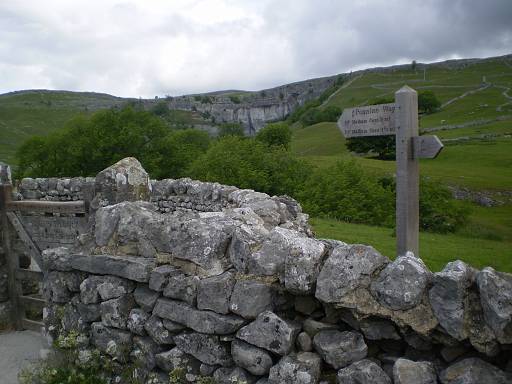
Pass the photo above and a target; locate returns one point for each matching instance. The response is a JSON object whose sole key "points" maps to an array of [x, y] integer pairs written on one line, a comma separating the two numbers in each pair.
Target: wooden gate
{"points": [[12, 225]]}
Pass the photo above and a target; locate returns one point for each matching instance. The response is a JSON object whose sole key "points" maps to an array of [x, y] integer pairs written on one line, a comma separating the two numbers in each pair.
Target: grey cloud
{"points": [[136, 49]]}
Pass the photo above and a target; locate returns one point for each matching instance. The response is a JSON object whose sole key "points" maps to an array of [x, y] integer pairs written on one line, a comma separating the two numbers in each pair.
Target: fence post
{"points": [[11, 258]]}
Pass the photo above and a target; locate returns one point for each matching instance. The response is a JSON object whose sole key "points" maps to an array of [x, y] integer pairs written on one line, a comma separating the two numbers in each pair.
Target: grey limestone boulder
{"points": [[200, 321], [340, 349], [182, 287], [402, 284], [144, 351], [270, 332], [59, 287], [206, 348], [303, 263], [302, 368], [232, 375], [449, 295], [145, 297], [176, 358], [348, 267], [159, 277], [155, 328], [304, 342], [496, 298], [270, 259], [255, 360], [56, 259], [362, 372], [125, 180], [89, 312], [114, 342], [312, 327], [414, 372], [114, 312], [250, 297], [136, 321], [473, 371], [110, 287], [131, 268], [378, 329], [214, 293]]}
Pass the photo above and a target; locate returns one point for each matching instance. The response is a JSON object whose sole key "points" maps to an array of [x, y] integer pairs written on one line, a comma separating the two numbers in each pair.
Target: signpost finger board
{"points": [[401, 119]]}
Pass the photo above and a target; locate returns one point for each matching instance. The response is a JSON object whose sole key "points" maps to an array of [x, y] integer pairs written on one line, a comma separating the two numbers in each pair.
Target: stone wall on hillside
{"points": [[246, 293]]}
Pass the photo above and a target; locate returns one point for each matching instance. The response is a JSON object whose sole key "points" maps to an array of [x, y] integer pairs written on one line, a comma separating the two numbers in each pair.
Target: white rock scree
{"points": [[232, 283]]}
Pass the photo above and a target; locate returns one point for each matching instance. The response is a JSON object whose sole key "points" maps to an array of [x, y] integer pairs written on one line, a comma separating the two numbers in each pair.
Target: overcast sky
{"points": [[172, 47]]}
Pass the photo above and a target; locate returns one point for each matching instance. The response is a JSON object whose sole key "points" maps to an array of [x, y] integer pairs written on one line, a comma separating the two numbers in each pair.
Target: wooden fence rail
{"points": [[11, 225]]}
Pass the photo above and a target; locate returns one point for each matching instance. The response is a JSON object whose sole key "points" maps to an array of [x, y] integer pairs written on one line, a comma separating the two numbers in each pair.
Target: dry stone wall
{"points": [[236, 287]]}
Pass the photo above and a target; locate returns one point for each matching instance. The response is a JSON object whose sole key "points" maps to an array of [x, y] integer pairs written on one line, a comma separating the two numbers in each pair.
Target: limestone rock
{"points": [[155, 328], [348, 267], [255, 360], [200, 321], [270, 259], [304, 342], [114, 312], [159, 277], [401, 285], [56, 259], [136, 321], [113, 342], [410, 372], [378, 329], [214, 293], [473, 371], [125, 180], [176, 358], [303, 263], [89, 312], [206, 348], [496, 297], [250, 297], [362, 372], [131, 268], [144, 351], [145, 297], [60, 286], [312, 327], [448, 297], [247, 238], [182, 287], [303, 368], [111, 287], [270, 332], [340, 349], [232, 375]]}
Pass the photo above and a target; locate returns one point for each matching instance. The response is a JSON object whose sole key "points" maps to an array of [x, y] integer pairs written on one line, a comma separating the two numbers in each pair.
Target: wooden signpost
{"points": [[400, 119]]}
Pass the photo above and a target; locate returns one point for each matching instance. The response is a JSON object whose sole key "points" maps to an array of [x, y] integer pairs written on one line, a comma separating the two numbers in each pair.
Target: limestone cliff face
{"points": [[255, 109]]}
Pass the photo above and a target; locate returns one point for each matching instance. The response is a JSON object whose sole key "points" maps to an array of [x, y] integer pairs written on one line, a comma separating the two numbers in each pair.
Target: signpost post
{"points": [[400, 119]]}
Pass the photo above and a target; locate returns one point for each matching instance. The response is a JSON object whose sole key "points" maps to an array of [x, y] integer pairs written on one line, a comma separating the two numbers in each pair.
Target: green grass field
{"points": [[480, 158], [435, 250]]}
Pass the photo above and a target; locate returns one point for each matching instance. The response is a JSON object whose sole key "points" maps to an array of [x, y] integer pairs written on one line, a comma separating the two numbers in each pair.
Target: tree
{"points": [[160, 109], [249, 163], [277, 134], [413, 65], [231, 129], [88, 144], [177, 151], [428, 102]]}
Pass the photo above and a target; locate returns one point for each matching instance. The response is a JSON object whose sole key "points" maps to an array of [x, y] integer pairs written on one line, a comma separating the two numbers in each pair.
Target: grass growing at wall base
{"points": [[436, 250]]}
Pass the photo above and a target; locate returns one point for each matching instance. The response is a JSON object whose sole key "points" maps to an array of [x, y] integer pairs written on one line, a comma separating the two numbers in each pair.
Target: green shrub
{"points": [[231, 129], [428, 102], [277, 134], [248, 163], [347, 192], [235, 99]]}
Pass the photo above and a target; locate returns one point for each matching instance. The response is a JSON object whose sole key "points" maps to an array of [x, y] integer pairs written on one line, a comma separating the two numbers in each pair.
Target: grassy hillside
{"points": [[475, 123], [39, 112]]}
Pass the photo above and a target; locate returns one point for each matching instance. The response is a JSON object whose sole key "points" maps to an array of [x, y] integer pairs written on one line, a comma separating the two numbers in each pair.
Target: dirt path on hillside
{"points": [[17, 350], [345, 85]]}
